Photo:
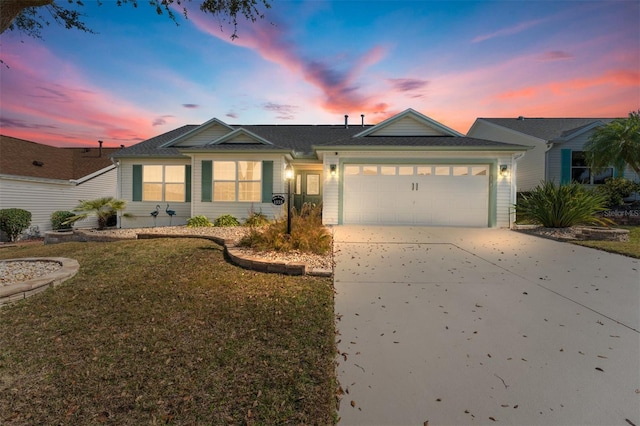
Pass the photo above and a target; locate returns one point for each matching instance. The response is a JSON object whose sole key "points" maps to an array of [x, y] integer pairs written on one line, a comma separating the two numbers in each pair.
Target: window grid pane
{"points": [[249, 191], [174, 192], [151, 192], [249, 170], [442, 170], [152, 174], [405, 170], [460, 171], [479, 171], [370, 170], [224, 191], [224, 170], [352, 170], [174, 174]]}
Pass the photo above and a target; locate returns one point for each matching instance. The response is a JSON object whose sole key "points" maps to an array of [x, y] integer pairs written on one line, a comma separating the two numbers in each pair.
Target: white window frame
{"points": [[237, 182], [606, 173], [163, 183]]}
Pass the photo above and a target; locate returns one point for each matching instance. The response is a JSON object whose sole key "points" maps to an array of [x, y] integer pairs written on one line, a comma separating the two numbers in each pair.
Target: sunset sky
{"points": [[312, 62]]}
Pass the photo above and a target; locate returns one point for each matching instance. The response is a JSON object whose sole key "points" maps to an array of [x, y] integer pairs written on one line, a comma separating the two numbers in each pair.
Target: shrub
{"points": [[615, 190], [561, 206], [105, 209], [308, 234], [256, 219], [59, 217], [14, 221], [198, 222], [226, 220]]}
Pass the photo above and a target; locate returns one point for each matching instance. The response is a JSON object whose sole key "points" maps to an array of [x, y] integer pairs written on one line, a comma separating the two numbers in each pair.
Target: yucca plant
{"points": [[562, 206], [103, 208]]}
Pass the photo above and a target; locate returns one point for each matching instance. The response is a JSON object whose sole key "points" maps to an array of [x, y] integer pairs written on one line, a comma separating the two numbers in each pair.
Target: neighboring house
{"points": [[557, 148], [43, 179], [406, 170]]}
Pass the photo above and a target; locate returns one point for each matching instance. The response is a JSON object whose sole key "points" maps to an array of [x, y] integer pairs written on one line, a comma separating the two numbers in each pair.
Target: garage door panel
{"points": [[439, 195]]}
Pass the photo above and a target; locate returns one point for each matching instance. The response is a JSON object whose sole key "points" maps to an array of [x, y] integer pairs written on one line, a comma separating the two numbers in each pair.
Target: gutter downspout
{"points": [[548, 148], [116, 163]]}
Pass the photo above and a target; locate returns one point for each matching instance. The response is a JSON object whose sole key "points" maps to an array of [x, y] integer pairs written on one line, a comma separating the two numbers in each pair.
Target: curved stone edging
{"points": [[238, 258], [22, 290]]}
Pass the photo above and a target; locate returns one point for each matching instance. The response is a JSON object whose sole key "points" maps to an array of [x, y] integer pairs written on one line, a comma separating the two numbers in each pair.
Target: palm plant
{"points": [[103, 208], [562, 206], [617, 144]]}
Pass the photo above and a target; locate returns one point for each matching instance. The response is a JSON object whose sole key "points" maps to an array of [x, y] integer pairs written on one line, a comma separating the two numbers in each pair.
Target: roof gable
{"points": [[547, 129], [200, 135], [409, 123], [240, 136]]}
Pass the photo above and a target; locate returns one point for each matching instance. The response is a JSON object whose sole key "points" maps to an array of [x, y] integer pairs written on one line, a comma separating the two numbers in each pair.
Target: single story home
{"points": [[406, 170], [43, 179], [557, 152]]}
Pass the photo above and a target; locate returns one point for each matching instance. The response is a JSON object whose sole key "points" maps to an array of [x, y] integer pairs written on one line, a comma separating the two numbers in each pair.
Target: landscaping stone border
{"points": [[232, 254], [22, 290], [253, 263]]}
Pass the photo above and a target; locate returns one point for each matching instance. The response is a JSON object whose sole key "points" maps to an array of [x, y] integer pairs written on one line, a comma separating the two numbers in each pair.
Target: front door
{"points": [[308, 188]]}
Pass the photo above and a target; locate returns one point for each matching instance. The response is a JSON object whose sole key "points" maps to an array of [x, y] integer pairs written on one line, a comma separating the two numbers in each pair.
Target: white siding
{"points": [[242, 210], [42, 197], [333, 186], [330, 190], [407, 126], [531, 167], [141, 210]]}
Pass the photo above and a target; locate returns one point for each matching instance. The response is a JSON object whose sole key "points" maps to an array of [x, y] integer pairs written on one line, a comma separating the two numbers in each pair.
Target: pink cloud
{"points": [[62, 106], [528, 92], [338, 81], [523, 26], [556, 55]]}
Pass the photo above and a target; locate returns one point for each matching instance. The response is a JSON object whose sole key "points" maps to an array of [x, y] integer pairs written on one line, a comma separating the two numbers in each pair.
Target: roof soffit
{"points": [[420, 118]]}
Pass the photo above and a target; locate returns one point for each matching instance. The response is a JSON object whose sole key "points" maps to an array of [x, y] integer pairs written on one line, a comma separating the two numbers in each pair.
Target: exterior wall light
{"points": [[332, 169], [288, 175], [504, 170]]}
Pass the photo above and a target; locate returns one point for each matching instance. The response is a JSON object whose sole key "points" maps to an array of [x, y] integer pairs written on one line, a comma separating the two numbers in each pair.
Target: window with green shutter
{"points": [[137, 183], [267, 181], [207, 180]]}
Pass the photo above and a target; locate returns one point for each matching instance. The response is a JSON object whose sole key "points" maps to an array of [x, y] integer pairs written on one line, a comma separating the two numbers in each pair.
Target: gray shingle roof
{"points": [[419, 141], [545, 128], [302, 139]]}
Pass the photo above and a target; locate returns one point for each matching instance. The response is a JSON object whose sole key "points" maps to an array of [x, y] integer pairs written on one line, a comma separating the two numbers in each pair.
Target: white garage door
{"points": [[453, 195]]}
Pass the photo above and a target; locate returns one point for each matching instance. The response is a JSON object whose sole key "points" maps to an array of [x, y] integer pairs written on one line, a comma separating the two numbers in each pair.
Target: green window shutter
{"points": [[267, 181], [565, 166], [207, 180], [137, 182], [618, 173], [187, 184]]}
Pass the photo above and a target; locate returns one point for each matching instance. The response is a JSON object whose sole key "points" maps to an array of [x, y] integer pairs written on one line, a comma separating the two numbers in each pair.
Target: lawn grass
{"points": [[630, 248], [165, 331]]}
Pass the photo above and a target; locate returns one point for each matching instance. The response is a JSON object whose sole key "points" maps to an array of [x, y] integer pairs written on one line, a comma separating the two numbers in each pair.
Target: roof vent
{"points": [[362, 116], [521, 118], [346, 121]]}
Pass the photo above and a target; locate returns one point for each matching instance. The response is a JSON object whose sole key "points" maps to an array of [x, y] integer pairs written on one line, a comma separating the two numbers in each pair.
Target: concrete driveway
{"points": [[484, 326]]}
